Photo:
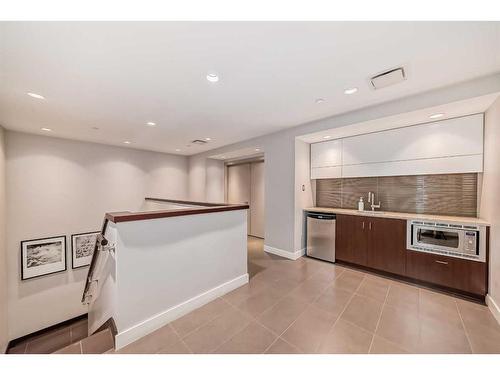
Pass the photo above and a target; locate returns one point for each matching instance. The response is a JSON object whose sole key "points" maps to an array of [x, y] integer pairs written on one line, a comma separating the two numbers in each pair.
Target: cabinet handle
{"points": [[441, 262], [370, 225], [363, 225]]}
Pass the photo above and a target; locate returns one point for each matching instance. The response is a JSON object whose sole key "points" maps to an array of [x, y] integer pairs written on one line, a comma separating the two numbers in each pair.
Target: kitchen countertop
{"points": [[399, 215]]}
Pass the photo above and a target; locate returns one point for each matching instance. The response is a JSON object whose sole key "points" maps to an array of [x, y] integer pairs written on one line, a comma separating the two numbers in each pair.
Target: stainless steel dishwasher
{"points": [[321, 236]]}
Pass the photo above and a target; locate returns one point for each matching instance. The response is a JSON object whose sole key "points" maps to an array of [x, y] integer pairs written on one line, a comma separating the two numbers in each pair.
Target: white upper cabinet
{"points": [[454, 137], [448, 146], [326, 159], [326, 154]]}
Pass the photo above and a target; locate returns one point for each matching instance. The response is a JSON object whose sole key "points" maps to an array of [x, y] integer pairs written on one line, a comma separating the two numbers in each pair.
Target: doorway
{"points": [[245, 184]]}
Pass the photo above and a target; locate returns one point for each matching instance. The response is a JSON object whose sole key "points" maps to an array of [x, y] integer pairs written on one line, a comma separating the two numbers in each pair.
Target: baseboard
{"points": [[494, 308], [151, 324], [284, 253]]}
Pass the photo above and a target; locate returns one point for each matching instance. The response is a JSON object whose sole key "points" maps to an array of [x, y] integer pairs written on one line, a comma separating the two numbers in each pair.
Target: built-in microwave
{"points": [[452, 239]]}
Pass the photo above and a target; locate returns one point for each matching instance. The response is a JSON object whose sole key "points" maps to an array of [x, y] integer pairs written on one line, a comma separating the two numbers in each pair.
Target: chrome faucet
{"points": [[371, 199]]}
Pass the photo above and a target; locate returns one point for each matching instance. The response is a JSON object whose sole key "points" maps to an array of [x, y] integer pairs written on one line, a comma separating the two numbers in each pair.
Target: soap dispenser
{"points": [[361, 204]]}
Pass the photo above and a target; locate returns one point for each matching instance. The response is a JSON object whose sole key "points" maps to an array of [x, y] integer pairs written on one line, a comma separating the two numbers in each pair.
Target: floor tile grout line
{"points": [[280, 336], [340, 314], [180, 338], [379, 318], [311, 303], [464, 327], [232, 336], [204, 324], [280, 298]]}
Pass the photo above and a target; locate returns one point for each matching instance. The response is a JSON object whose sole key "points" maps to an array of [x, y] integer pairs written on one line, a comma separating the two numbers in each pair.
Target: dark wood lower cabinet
{"points": [[351, 244], [459, 274], [387, 251], [372, 242], [380, 244]]}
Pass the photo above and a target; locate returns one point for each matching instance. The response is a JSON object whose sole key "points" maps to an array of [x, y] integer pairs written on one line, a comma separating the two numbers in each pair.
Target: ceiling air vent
{"points": [[388, 78], [199, 142]]}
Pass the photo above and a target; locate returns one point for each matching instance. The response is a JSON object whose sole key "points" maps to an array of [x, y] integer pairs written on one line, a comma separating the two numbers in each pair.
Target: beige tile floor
{"points": [[309, 306]]}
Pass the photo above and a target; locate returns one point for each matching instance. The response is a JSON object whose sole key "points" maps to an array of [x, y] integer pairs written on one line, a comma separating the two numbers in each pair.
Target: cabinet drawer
{"points": [[464, 275]]}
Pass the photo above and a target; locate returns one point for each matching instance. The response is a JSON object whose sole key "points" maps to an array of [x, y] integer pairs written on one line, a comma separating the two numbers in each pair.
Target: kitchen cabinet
{"points": [[447, 138], [387, 250], [372, 242], [380, 244], [439, 147], [460, 274], [352, 239], [326, 159], [326, 154]]}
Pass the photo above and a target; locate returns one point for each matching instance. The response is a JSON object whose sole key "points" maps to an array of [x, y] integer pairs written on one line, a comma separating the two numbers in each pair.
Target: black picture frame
{"points": [[53, 270], [73, 236]]}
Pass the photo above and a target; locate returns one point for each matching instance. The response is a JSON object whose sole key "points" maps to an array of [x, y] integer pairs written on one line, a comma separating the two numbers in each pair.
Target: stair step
{"points": [[99, 343]]}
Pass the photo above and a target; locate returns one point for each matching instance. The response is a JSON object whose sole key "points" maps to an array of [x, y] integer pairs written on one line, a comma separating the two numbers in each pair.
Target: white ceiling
{"points": [[117, 76]]}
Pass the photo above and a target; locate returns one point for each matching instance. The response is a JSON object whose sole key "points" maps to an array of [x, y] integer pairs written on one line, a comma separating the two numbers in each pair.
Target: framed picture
{"points": [[83, 245], [43, 256]]}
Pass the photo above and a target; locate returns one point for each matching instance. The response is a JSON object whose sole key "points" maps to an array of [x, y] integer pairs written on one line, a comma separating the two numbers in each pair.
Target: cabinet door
{"points": [[343, 238], [351, 239], [326, 154], [360, 239], [326, 172], [387, 250]]}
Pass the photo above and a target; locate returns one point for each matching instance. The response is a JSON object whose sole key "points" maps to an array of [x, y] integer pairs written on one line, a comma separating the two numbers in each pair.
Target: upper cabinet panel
{"points": [[448, 146], [454, 137], [326, 154]]}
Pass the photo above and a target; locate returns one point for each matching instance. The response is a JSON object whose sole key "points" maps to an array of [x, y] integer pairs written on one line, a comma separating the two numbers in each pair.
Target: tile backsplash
{"points": [[446, 194]]}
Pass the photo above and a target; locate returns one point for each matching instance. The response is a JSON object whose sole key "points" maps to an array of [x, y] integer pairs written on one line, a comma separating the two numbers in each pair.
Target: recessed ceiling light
{"points": [[46, 129], [436, 115], [177, 149], [212, 77], [127, 142], [37, 96], [350, 91], [327, 137], [320, 100], [257, 149], [150, 123], [208, 139]]}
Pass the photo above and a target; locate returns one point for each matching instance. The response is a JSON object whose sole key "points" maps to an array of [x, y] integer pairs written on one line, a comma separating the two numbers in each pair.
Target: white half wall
{"points": [[62, 187], [187, 260], [490, 200], [4, 336]]}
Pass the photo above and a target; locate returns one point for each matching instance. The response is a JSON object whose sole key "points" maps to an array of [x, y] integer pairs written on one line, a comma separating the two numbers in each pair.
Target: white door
{"points": [[238, 186], [257, 200]]}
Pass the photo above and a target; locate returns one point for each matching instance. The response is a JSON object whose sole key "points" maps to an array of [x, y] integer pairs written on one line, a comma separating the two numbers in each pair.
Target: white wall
{"points": [[279, 150], [490, 197], [206, 179], [3, 255], [57, 187], [303, 199]]}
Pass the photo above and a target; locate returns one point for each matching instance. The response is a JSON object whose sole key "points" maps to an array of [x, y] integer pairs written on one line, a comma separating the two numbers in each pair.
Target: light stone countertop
{"points": [[399, 215]]}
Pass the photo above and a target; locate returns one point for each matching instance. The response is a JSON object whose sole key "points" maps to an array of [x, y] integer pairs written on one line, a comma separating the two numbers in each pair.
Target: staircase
{"points": [[98, 343], [65, 338]]}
